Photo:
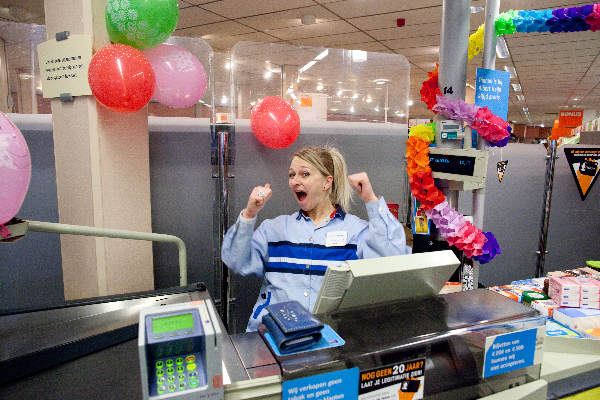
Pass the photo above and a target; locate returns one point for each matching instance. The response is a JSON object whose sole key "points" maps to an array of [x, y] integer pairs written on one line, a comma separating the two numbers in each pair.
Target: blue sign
{"points": [[491, 91], [332, 385], [509, 352]]}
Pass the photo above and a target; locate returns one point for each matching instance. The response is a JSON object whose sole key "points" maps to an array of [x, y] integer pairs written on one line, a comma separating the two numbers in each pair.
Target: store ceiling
{"points": [[555, 70]]}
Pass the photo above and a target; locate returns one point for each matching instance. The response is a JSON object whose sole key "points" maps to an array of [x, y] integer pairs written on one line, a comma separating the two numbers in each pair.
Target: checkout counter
{"points": [[90, 350]]}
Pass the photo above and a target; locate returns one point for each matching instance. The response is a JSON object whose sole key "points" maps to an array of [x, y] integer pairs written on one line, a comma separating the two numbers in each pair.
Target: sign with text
{"points": [[509, 351], [64, 66], [338, 385], [570, 118], [584, 164], [492, 90], [399, 381]]}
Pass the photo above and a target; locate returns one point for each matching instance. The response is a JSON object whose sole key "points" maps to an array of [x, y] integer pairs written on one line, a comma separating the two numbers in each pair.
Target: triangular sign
{"points": [[585, 167], [501, 167]]}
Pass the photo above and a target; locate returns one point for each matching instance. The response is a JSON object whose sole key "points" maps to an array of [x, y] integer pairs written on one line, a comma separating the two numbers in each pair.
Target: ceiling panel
{"points": [[243, 8], [288, 18], [359, 8], [335, 40], [193, 16], [314, 30]]}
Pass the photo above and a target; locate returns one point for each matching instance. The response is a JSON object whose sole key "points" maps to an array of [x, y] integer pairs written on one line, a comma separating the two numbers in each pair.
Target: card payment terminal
{"points": [[180, 351]]}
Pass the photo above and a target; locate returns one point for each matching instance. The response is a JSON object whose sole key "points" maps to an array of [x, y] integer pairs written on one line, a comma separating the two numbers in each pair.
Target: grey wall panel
{"points": [[30, 269], [182, 197]]}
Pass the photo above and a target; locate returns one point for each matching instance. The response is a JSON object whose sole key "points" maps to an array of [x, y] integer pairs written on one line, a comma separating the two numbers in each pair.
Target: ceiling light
{"points": [[525, 109], [308, 19], [542, 125], [520, 97], [293, 96], [381, 81], [368, 100], [355, 96], [224, 100], [268, 75], [410, 103], [576, 99], [339, 92], [359, 56], [227, 65], [319, 86], [516, 87], [501, 48], [333, 109], [511, 70], [24, 75], [307, 66], [351, 109], [475, 10], [376, 109], [322, 55]]}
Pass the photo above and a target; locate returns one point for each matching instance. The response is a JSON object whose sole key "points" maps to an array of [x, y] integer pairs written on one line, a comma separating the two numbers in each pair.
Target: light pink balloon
{"points": [[180, 77], [15, 169]]}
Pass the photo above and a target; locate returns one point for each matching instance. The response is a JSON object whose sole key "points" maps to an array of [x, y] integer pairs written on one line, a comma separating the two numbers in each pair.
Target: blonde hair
{"points": [[330, 162]]}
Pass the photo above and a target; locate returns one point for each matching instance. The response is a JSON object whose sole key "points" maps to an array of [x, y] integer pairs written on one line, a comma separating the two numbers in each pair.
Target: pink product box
{"points": [[588, 286], [590, 304]]}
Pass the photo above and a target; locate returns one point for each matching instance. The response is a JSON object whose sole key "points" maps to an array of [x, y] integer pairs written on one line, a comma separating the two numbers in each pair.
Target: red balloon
{"points": [[121, 78], [274, 122]]}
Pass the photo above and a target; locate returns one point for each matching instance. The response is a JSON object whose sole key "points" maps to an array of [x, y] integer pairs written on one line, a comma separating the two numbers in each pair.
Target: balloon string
{"points": [[4, 231], [501, 154]]}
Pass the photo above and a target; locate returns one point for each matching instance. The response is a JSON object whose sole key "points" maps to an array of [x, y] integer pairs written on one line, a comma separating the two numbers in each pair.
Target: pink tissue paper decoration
{"points": [[593, 19], [489, 126], [470, 240], [456, 109], [447, 220]]}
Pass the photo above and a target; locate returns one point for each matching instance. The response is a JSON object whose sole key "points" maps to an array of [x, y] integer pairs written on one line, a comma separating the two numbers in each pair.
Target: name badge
{"points": [[337, 238]]}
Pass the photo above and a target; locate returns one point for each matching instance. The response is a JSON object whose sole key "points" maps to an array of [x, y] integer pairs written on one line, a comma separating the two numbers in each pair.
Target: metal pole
{"points": [[454, 48], [223, 141], [541, 253], [51, 227], [492, 9]]}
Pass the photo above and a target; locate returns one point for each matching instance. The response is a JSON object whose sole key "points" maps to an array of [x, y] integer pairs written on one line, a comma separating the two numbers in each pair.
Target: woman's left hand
{"points": [[362, 185]]}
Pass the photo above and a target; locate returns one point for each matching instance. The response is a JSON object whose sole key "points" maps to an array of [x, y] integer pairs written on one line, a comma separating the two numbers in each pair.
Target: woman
{"points": [[293, 251]]}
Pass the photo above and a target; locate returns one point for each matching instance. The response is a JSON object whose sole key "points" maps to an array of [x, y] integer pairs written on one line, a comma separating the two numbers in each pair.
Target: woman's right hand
{"points": [[257, 200]]}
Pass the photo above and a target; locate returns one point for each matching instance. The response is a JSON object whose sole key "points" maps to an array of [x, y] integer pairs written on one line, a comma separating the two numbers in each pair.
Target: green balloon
{"points": [[141, 23]]}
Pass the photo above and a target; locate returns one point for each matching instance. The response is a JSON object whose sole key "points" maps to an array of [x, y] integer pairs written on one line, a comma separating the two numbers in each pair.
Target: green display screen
{"points": [[172, 323]]}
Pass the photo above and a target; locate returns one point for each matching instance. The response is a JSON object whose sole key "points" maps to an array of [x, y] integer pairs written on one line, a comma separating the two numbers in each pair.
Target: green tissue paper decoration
{"points": [[142, 24], [504, 24]]}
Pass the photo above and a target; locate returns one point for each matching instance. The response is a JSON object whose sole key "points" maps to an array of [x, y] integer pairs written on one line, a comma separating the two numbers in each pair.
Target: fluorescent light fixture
{"points": [[475, 10], [359, 56], [376, 109], [334, 109], [542, 125], [224, 100], [322, 55], [351, 109], [293, 96], [319, 86], [307, 66], [268, 75], [227, 65], [511, 70], [576, 98], [520, 97], [501, 48], [410, 103], [355, 96], [339, 92], [381, 81], [516, 87], [525, 109], [368, 100]]}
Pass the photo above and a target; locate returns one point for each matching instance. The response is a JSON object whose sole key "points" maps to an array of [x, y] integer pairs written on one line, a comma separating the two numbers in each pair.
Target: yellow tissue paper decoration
{"points": [[476, 42], [422, 131]]}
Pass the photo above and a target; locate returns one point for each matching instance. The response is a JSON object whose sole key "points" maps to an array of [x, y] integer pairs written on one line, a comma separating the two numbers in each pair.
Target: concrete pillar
{"points": [[102, 175]]}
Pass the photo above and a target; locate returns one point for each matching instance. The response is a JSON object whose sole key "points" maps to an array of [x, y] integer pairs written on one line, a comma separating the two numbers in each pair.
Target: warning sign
{"points": [[399, 381], [585, 167]]}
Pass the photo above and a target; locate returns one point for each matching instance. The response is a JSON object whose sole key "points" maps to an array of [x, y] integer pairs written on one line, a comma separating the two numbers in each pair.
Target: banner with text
{"points": [[584, 164]]}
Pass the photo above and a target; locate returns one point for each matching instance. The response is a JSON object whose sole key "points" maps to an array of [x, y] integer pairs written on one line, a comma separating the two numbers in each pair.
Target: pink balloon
{"points": [[274, 122], [180, 77], [15, 169]]}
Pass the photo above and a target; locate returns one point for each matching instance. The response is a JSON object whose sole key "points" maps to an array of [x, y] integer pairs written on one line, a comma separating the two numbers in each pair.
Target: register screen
{"points": [[172, 323]]}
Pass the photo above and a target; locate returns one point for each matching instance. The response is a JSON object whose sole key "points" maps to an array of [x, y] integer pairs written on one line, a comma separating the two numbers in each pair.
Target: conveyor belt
{"points": [[31, 341]]}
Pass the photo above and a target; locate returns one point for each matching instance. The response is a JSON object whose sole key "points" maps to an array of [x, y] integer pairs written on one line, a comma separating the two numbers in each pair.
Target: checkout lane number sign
{"points": [[399, 381]]}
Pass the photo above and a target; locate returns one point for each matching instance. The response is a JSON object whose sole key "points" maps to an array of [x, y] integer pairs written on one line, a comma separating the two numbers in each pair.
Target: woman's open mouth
{"points": [[300, 195]]}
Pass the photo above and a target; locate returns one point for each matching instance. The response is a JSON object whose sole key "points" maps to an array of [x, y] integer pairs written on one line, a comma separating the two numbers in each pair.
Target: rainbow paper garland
{"points": [[481, 246], [455, 229]]}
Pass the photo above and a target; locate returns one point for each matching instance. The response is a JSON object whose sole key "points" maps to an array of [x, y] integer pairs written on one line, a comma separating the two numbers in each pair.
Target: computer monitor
{"points": [[356, 283]]}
